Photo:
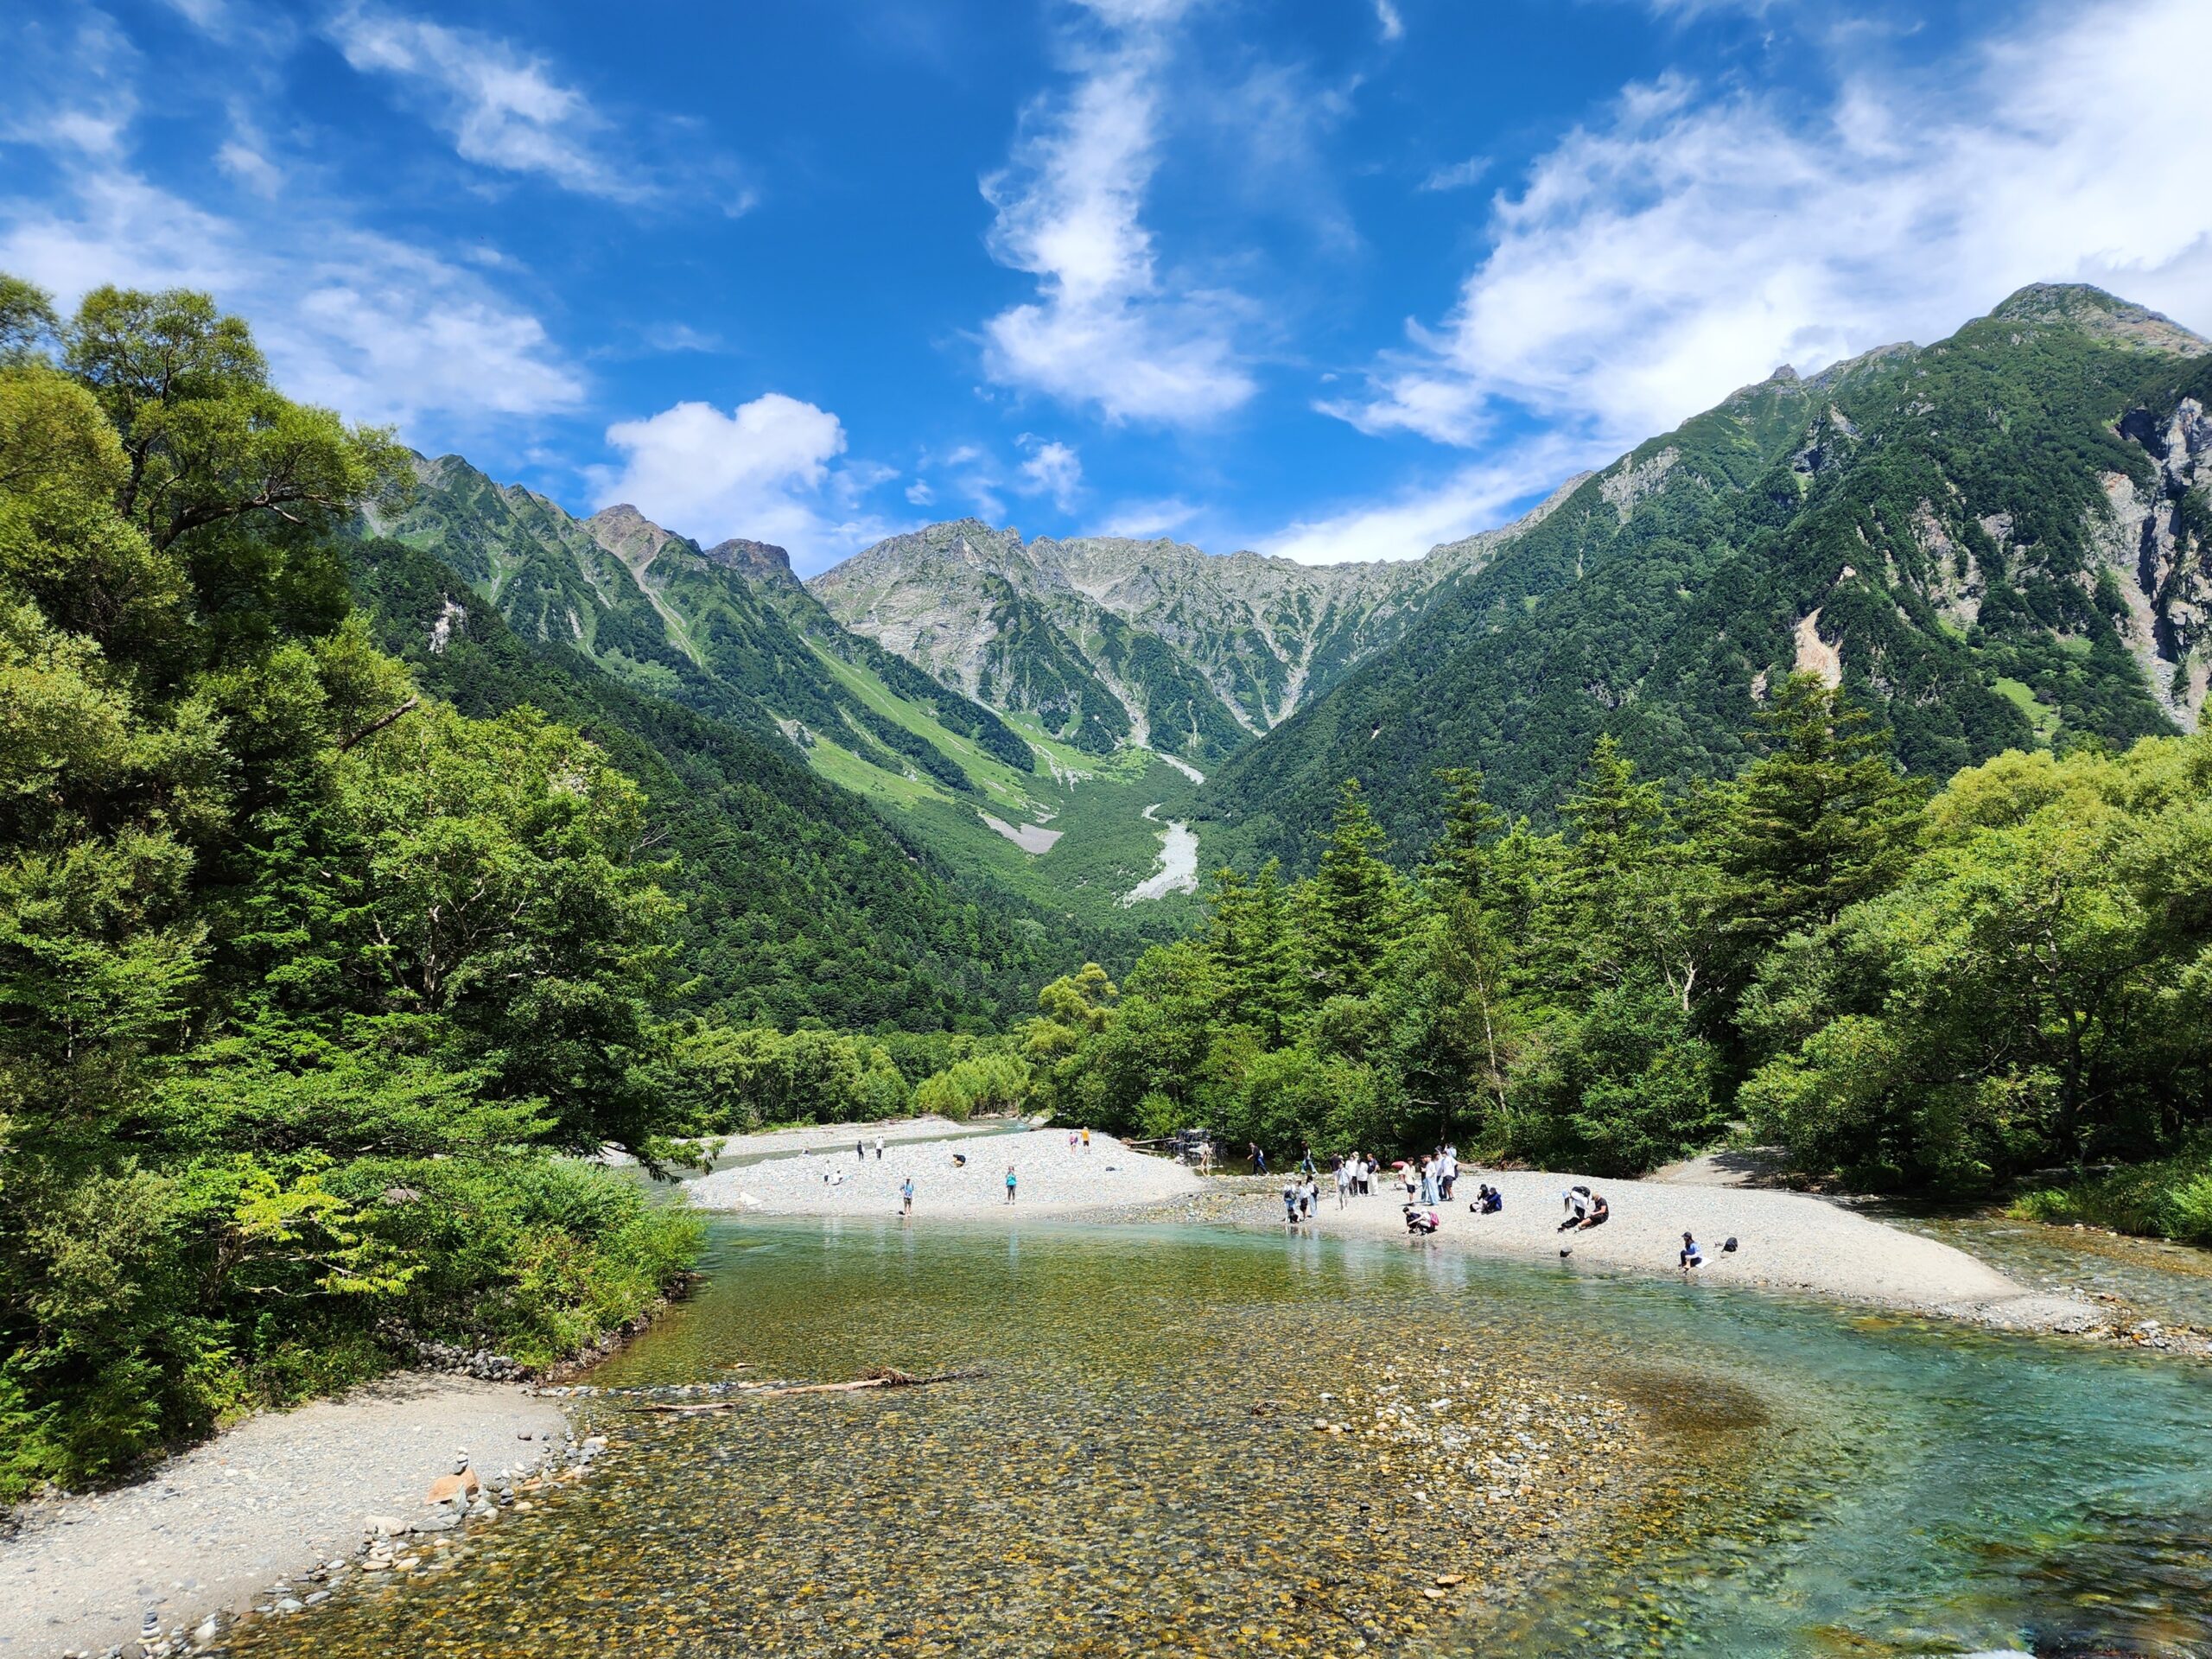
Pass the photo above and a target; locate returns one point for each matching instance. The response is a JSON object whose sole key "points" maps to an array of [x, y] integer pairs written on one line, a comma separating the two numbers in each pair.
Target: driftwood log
{"points": [[884, 1378]]}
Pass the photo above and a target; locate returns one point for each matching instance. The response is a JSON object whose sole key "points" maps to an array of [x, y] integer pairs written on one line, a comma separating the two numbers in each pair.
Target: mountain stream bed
{"points": [[1192, 1440]]}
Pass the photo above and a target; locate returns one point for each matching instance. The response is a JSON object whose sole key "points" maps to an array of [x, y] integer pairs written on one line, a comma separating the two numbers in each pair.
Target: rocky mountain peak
{"points": [[629, 535], [763, 560], [2106, 316]]}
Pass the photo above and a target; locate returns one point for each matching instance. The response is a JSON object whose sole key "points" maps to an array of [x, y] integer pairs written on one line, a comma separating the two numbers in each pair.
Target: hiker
{"points": [[906, 1197], [1009, 1183], [1086, 1137], [1428, 1181], [1258, 1158], [1313, 1196], [878, 1149], [860, 1150], [1344, 1180], [1600, 1212], [1448, 1162]]}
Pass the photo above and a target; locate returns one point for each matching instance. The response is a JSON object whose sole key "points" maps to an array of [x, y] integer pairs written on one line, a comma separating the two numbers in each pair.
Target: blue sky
{"points": [[1339, 279]]}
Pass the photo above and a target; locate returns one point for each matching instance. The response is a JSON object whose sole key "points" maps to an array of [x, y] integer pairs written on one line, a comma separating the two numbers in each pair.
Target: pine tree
{"points": [[1460, 858], [1352, 902], [1822, 819]]}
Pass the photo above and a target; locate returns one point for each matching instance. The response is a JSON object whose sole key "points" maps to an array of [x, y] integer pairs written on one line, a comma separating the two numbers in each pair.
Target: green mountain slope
{"points": [[1972, 534], [729, 632], [801, 904]]}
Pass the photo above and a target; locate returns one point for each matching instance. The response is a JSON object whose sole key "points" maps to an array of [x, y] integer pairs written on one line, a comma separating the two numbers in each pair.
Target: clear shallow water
{"points": [[1796, 1478]]}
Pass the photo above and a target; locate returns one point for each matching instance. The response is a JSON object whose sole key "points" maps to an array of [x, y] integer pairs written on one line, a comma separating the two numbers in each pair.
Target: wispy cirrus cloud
{"points": [[501, 107], [377, 326], [510, 110], [1458, 176], [1693, 239], [1105, 330], [1408, 524]]}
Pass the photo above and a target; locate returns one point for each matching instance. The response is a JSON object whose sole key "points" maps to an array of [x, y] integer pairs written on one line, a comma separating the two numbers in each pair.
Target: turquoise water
{"points": [[1139, 1472]]}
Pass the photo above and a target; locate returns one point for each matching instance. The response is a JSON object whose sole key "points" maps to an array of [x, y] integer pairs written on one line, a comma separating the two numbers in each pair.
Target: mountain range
{"points": [[1998, 540]]}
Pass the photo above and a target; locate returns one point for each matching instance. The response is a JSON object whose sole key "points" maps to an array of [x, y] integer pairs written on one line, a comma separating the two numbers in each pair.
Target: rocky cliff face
{"points": [[1110, 641], [2157, 537]]}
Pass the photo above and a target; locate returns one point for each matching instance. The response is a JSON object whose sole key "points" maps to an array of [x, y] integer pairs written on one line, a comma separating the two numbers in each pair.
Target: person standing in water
{"points": [[1009, 1183], [906, 1197]]}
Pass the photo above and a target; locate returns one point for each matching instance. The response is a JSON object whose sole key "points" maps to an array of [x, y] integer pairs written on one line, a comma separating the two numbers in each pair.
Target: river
{"points": [[1139, 1470]]}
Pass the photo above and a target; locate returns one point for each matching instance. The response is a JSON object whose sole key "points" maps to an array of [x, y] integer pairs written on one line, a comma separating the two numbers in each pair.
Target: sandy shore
{"points": [[827, 1137], [208, 1531], [1052, 1178], [1786, 1241]]}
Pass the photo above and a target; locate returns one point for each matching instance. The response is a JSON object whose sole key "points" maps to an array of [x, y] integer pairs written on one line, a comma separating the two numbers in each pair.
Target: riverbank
{"points": [[1052, 1178], [1786, 1241], [827, 1138], [212, 1529]]}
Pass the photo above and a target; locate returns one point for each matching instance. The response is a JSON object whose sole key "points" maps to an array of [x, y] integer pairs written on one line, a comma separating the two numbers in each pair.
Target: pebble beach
{"points": [[1052, 1176]]}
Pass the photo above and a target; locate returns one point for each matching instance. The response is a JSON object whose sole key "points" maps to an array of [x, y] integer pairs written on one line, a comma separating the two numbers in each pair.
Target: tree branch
{"points": [[375, 726]]}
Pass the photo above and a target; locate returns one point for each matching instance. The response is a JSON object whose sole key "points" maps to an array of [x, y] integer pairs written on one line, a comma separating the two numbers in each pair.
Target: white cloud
{"points": [[1474, 497], [501, 109], [762, 471], [1141, 520], [250, 167], [380, 328], [1459, 175], [1105, 329], [1052, 469], [377, 328], [1387, 19], [919, 492], [1690, 242]]}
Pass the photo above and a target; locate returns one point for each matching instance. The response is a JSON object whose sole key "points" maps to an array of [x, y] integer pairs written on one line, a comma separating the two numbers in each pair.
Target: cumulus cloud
{"points": [[763, 471], [1052, 469], [1691, 240], [1105, 329]]}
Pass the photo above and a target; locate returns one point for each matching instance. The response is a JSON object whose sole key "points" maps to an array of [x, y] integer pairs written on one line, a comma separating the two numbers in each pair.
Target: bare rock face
{"points": [[1107, 640], [2157, 542], [762, 560]]}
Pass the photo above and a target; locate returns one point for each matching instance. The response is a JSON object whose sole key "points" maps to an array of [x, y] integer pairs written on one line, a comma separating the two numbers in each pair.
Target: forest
{"points": [[306, 980], [1944, 992]]}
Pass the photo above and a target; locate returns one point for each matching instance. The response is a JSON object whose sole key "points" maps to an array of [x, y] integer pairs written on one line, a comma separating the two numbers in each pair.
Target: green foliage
{"points": [[718, 1080], [2033, 990], [1650, 602], [995, 1082], [304, 980], [800, 902]]}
